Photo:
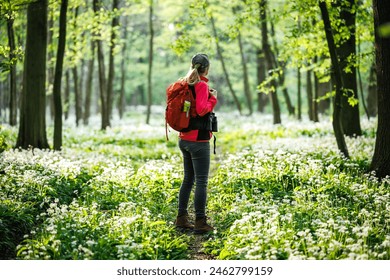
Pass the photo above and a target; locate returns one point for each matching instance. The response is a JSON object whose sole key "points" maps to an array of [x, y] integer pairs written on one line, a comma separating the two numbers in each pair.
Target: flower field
{"points": [[275, 192]]}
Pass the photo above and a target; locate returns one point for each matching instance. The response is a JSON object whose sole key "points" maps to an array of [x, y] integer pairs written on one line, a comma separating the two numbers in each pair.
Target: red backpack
{"points": [[180, 106]]}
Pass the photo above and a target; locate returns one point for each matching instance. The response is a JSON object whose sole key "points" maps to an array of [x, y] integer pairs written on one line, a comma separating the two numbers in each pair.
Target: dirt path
{"points": [[196, 248]]}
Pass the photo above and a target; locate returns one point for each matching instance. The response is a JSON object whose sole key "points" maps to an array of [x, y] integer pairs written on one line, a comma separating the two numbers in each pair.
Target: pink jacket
{"points": [[205, 103]]}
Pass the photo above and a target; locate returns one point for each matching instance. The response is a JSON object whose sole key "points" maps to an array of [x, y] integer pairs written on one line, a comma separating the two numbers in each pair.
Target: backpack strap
{"points": [[166, 130], [215, 144], [192, 88]]}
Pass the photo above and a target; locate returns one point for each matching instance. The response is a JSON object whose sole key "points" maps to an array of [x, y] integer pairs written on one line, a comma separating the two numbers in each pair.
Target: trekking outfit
{"points": [[195, 147]]}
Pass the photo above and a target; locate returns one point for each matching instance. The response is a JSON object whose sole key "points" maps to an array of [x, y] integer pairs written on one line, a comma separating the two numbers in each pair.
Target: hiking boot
{"points": [[182, 222], [201, 226]]}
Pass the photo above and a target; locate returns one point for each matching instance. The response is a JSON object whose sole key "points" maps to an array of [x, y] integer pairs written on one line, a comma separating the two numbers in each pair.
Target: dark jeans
{"points": [[196, 159]]}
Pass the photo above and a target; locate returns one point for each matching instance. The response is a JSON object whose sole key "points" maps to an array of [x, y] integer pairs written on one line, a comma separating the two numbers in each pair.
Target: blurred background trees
{"points": [[266, 56]]}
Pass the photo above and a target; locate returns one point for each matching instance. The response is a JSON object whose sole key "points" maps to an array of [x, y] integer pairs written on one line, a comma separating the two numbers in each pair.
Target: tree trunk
{"points": [[359, 63], [67, 95], [350, 116], [372, 97], [323, 89], [82, 78], [121, 102], [111, 66], [151, 38], [247, 90], [315, 98], [309, 91], [58, 76], [299, 91], [262, 98], [88, 86], [220, 55], [381, 159], [102, 74], [76, 84], [13, 96], [299, 78], [77, 94], [290, 107], [336, 74], [268, 59], [50, 65], [32, 128]]}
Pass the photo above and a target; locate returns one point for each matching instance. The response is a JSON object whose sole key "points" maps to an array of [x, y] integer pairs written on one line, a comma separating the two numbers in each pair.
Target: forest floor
{"points": [[274, 192], [196, 248]]}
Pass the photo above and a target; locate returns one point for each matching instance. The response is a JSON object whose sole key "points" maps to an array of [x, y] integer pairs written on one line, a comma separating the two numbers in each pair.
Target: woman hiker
{"points": [[195, 147]]}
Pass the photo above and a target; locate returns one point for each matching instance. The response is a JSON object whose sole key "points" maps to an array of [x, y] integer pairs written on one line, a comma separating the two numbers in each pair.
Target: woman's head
{"points": [[200, 62], [199, 67]]}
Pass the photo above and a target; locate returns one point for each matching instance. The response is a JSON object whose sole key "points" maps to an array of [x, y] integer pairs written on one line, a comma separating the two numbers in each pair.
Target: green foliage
{"points": [[287, 198], [6, 62], [77, 232], [8, 13], [7, 137], [92, 203], [182, 29], [16, 218]]}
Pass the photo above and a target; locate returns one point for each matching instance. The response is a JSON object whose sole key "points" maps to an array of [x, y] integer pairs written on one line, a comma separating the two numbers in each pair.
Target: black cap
{"points": [[201, 59]]}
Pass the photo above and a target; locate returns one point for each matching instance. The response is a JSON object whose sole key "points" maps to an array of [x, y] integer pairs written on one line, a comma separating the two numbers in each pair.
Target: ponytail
{"points": [[192, 76], [200, 64]]}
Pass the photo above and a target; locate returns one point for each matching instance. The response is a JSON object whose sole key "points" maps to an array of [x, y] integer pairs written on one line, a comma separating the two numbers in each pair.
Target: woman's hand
{"points": [[213, 92]]}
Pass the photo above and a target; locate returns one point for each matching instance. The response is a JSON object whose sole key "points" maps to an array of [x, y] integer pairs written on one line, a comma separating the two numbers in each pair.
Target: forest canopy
{"points": [[182, 28]]}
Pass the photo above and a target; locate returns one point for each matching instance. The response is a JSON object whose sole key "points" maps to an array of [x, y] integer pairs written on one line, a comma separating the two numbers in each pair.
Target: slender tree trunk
{"points": [[309, 91], [13, 95], [350, 116], [67, 95], [247, 90], [121, 102], [323, 89], [58, 77], [77, 94], [111, 67], [315, 98], [140, 94], [286, 95], [88, 86], [299, 91], [372, 97], [225, 72], [336, 73], [151, 38], [82, 77], [102, 87], [360, 81], [32, 128], [299, 78], [262, 98], [381, 159], [76, 84], [268, 59], [102, 76], [50, 65]]}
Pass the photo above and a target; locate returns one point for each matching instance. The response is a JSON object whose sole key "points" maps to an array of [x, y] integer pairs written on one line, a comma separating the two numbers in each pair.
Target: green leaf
{"points": [[225, 254], [157, 223]]}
